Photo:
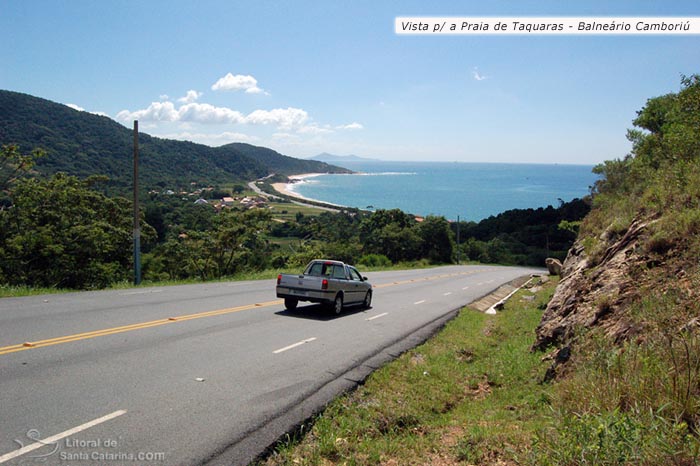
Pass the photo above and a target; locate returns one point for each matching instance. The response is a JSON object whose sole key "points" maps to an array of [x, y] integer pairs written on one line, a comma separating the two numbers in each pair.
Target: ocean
{"points": [[472, 191]]}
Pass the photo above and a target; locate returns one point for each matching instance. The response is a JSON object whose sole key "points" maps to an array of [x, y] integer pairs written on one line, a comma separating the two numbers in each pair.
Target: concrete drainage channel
{"points": [[495, 300], [299, 418]]}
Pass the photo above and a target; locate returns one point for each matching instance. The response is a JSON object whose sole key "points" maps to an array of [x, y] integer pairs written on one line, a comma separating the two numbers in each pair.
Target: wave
{"points": [[386, 174]]}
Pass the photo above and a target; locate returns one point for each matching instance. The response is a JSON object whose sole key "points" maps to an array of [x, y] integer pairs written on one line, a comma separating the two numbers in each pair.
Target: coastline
{"points": [[472, 191], [287, 189]]}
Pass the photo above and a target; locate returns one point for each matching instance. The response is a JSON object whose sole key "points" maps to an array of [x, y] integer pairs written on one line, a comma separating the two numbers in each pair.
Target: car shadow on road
{"points": [[321, 313]]}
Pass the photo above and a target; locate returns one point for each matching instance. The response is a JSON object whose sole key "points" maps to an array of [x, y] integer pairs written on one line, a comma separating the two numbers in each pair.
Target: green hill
{"points": [[84, 144]]}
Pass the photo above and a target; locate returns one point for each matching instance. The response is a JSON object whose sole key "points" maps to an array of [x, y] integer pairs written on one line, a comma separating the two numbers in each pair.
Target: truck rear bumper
{"points": [[306, 295]]}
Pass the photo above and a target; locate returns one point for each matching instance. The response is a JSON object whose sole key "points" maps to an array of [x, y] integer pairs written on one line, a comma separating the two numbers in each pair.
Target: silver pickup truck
{"points": [[332, 283]]}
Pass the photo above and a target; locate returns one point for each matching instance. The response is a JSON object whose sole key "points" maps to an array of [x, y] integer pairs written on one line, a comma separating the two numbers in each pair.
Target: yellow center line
{"points": [[128, 328], [171, 320], [426, 279]]}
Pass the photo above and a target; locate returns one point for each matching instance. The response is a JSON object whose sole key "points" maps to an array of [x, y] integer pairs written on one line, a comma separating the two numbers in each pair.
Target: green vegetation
{"points": [[470, 395], [642, 392], [524, 236], [64, 232], [660, 179], [61, 233]]}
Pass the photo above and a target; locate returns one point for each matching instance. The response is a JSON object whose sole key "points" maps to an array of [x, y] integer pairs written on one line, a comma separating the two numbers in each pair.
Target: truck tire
{"points": [[337, 307], [290, 303]]}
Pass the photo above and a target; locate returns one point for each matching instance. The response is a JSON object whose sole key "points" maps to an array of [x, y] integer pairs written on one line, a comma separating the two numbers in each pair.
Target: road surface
{"points": [[197, 374]]}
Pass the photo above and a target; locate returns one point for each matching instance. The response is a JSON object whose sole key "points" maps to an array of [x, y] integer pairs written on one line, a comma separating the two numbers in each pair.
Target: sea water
{"points": [[472, 191]]}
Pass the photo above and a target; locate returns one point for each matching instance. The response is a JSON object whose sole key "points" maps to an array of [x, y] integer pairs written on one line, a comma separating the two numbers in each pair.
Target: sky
{"points": [[305, 77]]}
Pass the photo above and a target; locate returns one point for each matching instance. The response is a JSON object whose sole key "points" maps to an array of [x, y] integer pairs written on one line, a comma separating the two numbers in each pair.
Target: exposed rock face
{"points": [[553, 266], [594, 293]]}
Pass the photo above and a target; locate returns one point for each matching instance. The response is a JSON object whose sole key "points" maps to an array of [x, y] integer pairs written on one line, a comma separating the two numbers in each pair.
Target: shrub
{"points": [[374, 260]]}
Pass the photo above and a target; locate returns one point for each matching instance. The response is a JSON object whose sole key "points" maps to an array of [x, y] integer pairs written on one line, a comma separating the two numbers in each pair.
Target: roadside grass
{"points": [[469, 395], [12, 291], [634, 402], [9, 291], [473, 395]]}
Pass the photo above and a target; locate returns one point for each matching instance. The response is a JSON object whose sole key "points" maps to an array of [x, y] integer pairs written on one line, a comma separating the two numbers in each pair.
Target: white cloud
{"points": [[193, 112], [157, 111], [286, 118], [209, 114], [478, 76], [238, 82], [191, 96], [210, 139], [353, 125]]}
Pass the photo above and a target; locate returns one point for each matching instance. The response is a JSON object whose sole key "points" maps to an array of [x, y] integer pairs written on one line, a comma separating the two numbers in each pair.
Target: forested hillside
{"points": [[83, 144]]}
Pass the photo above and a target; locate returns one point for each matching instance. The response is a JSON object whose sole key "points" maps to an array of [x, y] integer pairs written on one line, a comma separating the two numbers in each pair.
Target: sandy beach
{"points": [[288, 188]]}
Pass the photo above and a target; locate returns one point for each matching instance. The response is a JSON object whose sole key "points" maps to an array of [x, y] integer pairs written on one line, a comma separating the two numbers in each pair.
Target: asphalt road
{"points": [[198, 374]]}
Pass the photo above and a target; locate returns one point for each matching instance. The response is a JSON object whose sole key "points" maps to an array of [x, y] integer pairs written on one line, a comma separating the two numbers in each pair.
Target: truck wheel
{"points": [[367, 303], [338, 304], [290, 303]]}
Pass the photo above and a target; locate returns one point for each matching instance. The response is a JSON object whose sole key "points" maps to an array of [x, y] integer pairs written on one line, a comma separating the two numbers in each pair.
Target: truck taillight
{"points": [[324, 284], [279, 278]]}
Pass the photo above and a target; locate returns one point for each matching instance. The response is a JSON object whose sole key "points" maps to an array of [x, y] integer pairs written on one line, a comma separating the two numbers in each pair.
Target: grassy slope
{"points": [[474, 394]]}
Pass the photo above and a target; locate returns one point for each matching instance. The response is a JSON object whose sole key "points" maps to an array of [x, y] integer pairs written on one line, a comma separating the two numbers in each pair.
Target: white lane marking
{"points": [[378, 316], [299, 343], [54, 438], [465, 288], [419, 302], [447, 294]]}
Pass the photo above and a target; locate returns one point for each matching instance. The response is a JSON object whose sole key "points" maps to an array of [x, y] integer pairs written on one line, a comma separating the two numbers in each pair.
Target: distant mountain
{"points": [[326, 157], [84, 144]]}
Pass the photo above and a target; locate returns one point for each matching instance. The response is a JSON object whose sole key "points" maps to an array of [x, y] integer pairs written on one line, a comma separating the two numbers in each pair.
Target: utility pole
{"points": [[137, 226]]}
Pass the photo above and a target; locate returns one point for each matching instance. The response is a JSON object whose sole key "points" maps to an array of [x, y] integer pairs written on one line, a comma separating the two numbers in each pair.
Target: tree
{"points": [[397, 243], [61, 233], [392, 233], [438, 243], [14, 165], [673, 126], [235, 242]]}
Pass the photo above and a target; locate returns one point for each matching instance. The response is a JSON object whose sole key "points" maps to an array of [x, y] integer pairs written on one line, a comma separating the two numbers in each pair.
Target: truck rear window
{"points": [[318, 269]]}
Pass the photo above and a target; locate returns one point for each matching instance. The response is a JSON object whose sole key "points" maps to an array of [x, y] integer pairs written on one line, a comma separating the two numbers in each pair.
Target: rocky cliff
{"points": [[606, 288], [594, 293]]}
